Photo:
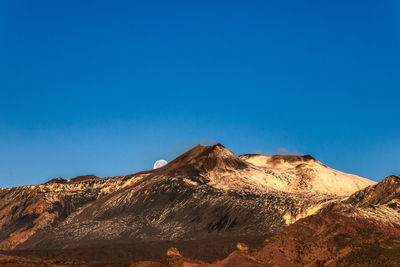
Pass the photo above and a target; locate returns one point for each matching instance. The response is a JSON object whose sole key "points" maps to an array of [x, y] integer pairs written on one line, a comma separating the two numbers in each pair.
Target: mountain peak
{"points": [[204, 159], [210, 148]]}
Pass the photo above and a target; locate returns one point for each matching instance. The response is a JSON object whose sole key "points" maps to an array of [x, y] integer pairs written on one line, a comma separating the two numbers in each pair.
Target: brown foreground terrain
{"points": [[319, 240], [208, 250]]}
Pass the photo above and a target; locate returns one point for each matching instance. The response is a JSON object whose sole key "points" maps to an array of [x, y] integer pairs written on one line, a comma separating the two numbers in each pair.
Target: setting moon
{"points": [[159, 163]]}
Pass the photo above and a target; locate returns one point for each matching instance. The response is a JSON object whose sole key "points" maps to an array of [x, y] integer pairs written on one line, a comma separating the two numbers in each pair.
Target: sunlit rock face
{"points": [[206, 192]]}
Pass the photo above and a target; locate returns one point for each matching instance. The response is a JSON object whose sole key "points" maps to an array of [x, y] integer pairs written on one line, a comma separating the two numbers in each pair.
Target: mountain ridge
{"points": [[207, 192]]}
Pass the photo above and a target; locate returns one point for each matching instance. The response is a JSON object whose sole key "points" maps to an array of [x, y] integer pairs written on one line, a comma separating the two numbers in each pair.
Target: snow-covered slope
{"points": [[306, 174]]}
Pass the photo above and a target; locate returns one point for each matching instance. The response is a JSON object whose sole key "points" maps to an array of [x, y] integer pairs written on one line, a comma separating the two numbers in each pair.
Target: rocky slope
{"points": [[362, 230], [380, 202], [206, 193], [347, 233]]}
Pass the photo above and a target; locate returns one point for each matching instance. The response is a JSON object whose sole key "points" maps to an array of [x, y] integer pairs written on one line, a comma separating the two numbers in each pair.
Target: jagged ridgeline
{"points": [[208, 193]]}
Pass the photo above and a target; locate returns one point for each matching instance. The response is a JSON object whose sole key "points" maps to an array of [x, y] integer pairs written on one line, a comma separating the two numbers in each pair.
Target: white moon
{"points": [[159, 163]]}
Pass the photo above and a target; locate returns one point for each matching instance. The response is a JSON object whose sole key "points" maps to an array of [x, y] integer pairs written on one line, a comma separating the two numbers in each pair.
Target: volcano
{"points": [[203, 202]]}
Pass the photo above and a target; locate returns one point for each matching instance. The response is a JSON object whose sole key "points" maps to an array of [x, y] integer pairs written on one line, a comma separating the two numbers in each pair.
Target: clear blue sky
{"points": [[108, 87]]}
